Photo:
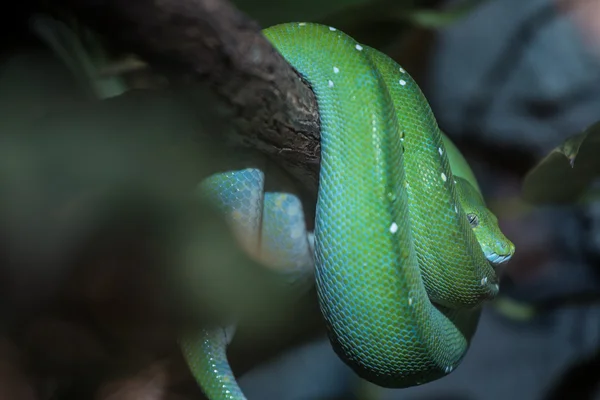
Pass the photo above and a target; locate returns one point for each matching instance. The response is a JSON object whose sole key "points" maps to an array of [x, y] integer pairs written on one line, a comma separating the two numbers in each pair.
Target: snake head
{"points": [[496, 247]]}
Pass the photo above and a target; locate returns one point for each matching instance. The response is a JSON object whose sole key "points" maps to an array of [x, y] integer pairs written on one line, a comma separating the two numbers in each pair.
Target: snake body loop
{"points": [[400, 272]]}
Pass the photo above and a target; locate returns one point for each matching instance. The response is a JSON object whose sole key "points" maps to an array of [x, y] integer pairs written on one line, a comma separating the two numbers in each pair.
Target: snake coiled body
{"points": [[400, 273]]}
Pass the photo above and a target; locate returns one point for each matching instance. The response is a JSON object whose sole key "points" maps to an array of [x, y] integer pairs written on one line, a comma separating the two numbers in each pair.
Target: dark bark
{"points": [[209, 42]]}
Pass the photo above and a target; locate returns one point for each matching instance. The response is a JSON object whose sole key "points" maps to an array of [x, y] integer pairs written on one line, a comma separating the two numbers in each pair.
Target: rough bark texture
{"points": [[209, 42]]}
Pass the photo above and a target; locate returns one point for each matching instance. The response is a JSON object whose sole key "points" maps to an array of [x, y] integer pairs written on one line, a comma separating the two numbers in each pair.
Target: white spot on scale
{"points": [[394, 227], [440, 151], [456, 209], [448, 369], [410, 301], [302, 24], [444, 177], [310, 237], [336, 70], [332, 29], [402, 82], [330, 83], [296, 233], [483, 281], [292, 210], [358, 47], [402, 70]]}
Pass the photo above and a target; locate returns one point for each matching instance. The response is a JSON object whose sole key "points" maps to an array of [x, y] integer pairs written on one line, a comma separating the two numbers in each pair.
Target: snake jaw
{"points": [[497, 259]]}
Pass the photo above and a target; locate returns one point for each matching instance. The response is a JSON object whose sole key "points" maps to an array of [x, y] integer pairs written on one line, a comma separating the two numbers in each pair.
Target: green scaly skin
{"points": [[400, 273]]}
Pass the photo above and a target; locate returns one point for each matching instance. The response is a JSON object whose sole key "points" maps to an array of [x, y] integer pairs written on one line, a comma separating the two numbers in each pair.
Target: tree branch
{"points": [[211, 43]]}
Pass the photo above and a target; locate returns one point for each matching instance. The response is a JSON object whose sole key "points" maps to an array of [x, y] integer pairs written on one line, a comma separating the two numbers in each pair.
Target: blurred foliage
{"points": [[82, 51], [439, 19], [566, 174], [71, 166], [268, 12], [271, 12]]}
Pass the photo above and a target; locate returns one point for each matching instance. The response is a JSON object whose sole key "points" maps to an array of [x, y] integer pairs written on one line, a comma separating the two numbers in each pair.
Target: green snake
{"points": [[404, 248]]}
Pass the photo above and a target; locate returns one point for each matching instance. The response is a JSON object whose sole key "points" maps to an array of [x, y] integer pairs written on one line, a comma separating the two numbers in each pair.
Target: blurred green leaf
{"points": [[513, 309], [132, 160], [565, 174], [269, 12], [32, 85], [81, 50], [439, 19], [70, 165]]}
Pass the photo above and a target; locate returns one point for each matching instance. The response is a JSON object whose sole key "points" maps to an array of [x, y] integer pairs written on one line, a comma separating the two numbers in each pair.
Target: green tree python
{"points": [[403, 249]]}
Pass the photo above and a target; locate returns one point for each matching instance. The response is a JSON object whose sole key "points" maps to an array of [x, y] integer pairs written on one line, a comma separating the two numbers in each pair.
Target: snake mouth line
{"points": [[497, 259]]}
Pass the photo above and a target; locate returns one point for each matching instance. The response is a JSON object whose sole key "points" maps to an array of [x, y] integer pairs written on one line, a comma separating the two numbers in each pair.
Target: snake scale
{"points": [[403, 248]]}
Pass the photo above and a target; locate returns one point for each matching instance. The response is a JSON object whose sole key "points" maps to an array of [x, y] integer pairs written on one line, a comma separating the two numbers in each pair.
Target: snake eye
{"points": [[473, 220]]}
